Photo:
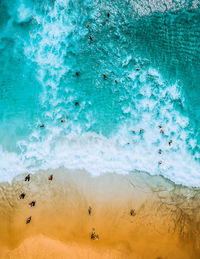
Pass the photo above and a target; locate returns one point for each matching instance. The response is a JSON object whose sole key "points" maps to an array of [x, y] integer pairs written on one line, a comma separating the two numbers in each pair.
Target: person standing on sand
{"points": [[22, 195], [28, 220], [132, 212], [89, 210], [32, 204], [27, 178], [50, 177]]}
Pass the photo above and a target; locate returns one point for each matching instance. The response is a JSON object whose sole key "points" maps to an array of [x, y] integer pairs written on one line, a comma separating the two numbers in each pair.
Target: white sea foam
{"points": [[98, 154], [93, 152]]}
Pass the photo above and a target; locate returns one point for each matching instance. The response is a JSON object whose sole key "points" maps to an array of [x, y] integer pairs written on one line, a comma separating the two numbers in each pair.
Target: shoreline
{"points": [[166, 223]]}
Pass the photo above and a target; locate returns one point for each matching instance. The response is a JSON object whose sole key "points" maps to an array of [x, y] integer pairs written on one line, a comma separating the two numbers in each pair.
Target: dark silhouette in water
{"points": [[105, 75], [90, 37], [170, 142]]}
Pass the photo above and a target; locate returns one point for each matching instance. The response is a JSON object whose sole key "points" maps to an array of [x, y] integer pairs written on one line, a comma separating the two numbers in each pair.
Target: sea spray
{"points": [[39, 85]]}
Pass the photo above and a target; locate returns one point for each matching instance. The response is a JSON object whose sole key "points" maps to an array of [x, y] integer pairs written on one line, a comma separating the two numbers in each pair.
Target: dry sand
{"points": [[166, 224]]}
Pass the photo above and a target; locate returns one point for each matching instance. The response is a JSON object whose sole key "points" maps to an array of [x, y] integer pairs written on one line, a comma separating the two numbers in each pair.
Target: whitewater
{"points": [[150, 53]]}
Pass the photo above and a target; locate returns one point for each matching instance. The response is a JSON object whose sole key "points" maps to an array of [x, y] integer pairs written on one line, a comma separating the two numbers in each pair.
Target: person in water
{"points": [[32, 204], [28, 220], [27, 178], [88, 25], [63, 120], [105, 75], [77, 73], [90, 37], [160, 151], [89, 210], [108, 15], [170, 142], [42, 125], [50, 177], [132, 212], [76, 103]]}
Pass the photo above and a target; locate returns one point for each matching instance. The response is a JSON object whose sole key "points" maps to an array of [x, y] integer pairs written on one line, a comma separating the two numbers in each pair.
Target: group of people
{"points": [[32, 203], [93, 235]]}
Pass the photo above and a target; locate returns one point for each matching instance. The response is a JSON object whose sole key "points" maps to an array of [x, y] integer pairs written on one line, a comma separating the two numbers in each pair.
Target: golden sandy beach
{"points": [[166, 224]]}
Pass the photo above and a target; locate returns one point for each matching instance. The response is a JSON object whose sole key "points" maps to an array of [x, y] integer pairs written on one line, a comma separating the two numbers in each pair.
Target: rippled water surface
{"points": [[44, 43]]}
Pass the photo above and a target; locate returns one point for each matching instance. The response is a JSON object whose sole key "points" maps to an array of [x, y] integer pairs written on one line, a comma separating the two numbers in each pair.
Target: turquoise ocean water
{"points": [[43, 43]]}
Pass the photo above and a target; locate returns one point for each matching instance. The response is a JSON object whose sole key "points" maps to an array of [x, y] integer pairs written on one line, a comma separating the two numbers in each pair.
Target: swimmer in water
{"points": [[105, 75], [42, 125], [77, 73], [88, 25], [76, 103], [90, 37], [137, 68], [108, 15], [160, 151], [162, 131], [63, 120], [170, 142]]}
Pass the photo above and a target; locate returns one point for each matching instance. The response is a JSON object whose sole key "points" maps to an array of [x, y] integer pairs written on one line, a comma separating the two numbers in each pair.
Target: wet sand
{"points": [[166, 224]]}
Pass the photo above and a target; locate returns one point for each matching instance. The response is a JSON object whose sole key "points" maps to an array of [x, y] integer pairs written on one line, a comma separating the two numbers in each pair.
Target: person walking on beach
{"points": [[28, 220], [32, 204], [89, 210], [22, 195], [93, 235], [27, 178], [50, 177], [132, 212]]}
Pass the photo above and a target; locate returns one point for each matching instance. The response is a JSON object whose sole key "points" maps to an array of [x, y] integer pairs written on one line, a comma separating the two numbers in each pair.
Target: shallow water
{"points": [[43, 44]]}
